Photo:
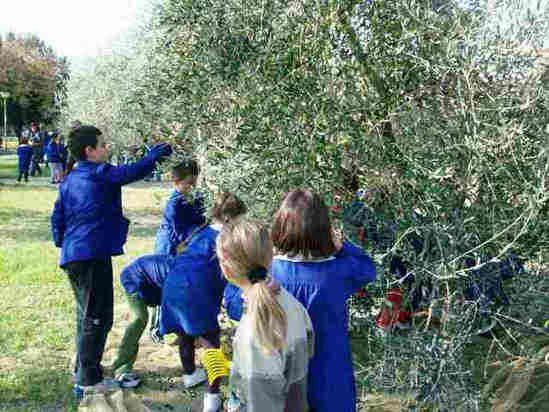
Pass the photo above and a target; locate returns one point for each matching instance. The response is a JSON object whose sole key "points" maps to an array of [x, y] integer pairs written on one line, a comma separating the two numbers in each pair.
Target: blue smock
{"points": [[87, 220], [232, 300], [192, 292], [323, 287], [145, 277], [181, 217], [24, 153], [53, 152]]}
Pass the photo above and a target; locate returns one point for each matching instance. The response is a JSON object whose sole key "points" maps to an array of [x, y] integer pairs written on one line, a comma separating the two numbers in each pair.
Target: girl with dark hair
{"points": [[322, 275]]}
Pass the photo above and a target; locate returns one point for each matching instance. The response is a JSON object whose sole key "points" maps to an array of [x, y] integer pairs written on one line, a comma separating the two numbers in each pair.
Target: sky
{"points": [[74, 28]]}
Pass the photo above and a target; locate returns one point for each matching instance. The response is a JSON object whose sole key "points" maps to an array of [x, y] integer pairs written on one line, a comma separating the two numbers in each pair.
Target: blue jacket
{"points": [[47, 140], [192, 292], [145, 277], [87, 220], [53, 153], [180, 218], [24, 152], [64, 153]]}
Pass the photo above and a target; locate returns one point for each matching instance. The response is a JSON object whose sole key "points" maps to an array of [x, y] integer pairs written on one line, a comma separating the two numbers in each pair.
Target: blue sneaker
{"points": [[105, 386], [78, 392]]}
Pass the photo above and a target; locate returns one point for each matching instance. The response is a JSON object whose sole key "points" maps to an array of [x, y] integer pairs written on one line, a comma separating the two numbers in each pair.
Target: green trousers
{"points": [[127, 351]]}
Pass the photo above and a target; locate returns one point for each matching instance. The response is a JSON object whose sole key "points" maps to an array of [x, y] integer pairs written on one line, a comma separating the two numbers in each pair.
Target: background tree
{"points": [[35, 77]]}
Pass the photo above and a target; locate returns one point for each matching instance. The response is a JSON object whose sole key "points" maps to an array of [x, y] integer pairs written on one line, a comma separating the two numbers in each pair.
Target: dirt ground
{"points": [[159, 367]]}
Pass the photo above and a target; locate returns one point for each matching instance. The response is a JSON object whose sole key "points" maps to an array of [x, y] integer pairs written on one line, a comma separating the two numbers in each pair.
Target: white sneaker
{"points": [[212, 402], [195, 378], [128, 380]]}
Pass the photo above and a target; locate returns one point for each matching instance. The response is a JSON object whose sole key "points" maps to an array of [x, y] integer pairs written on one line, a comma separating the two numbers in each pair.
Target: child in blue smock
{"points": [[322, 276], [24, 154], [142, 281], [189, 287], [54, 155], [192, 294], [89, 227], [182, 213]]}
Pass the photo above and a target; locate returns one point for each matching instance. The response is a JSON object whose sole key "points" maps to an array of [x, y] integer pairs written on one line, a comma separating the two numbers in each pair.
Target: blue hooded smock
{"points": [[24, 154], [53, 152], [232, 300], [181, 217], [323, 287], [192, 292], [87, 220], [145, 277]]}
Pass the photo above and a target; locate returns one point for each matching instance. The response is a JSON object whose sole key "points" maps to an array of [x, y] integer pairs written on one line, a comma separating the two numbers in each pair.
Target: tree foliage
{"points": [[439, 109]]}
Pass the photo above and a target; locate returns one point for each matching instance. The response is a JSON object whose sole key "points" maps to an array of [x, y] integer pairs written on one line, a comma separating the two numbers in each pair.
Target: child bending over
{"points": [[192, 294]]}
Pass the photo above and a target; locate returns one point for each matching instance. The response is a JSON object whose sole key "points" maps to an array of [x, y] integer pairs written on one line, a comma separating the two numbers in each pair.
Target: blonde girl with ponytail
{"points": [[274, 339]]}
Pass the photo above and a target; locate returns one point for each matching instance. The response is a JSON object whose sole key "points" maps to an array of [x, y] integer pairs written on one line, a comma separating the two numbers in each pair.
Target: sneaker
{"points": [[105, 386], [195, 378], [128, 380], [212, 402], [78, 392]]}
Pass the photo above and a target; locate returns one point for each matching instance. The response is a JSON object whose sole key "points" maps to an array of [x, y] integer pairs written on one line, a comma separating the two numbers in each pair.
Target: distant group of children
{"points": [[35, 147], [286, 285]]}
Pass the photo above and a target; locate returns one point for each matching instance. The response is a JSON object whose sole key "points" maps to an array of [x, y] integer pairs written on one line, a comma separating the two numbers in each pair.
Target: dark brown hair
{"points": [[80, 138], [302, 225], [185, 169], [227, 206]]}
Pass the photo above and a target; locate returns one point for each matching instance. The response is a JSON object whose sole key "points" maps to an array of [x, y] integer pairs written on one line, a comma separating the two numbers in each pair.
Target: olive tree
{"points": [[438, 110]]}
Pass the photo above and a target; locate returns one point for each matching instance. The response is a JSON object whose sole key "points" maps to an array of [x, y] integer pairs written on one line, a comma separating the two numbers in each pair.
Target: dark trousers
{"points": [[186, 353], [23, 173], [35, 166], [92, 284]]}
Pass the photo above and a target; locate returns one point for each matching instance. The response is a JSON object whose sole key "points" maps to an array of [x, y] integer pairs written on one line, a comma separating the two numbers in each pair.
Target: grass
{"points": [[37, 308], [8, 166]]}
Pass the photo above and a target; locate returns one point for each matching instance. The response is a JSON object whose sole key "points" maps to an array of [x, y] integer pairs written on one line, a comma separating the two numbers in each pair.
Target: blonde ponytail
{"points": [[268, 319], [244, 247]]}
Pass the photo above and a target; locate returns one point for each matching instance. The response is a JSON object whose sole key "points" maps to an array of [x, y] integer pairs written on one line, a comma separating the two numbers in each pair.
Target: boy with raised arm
{"points": [[89, 227]]}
